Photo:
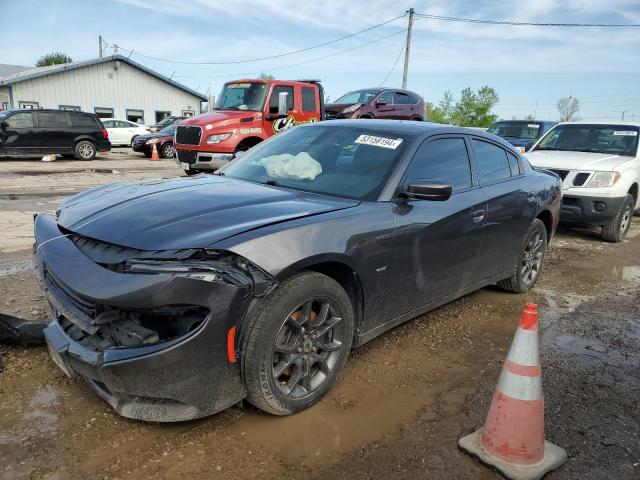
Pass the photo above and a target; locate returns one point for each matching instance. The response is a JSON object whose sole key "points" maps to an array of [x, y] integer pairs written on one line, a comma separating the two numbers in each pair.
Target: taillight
{"points": [[105, 134]]}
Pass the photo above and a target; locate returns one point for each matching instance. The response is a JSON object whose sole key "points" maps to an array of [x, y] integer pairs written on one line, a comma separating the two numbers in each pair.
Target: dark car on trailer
{"points": [[177, 298], [25, 132], [522, 134], [163, 141], [378, 103]]}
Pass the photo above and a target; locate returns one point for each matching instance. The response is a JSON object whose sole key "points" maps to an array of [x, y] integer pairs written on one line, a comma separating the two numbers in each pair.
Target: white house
{"points": [[113, 87]]}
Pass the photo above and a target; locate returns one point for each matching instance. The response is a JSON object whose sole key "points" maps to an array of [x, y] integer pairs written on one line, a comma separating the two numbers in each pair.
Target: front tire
{"points": [[617, 229], [296, 344], [85, 150], [530, 259], [168, 150]]}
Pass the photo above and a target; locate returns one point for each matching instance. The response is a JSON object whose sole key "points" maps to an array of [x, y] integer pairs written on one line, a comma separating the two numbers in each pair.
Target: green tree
{"points": [[53, 58], [474, 108], [266, 76], [530, 117], [443, 112]]}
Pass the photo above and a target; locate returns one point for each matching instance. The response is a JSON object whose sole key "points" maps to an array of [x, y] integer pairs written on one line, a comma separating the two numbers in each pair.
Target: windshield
{"points": [[526, 130], [169, 130], [348, 162], [358, 96], [613, 139], [4, 112], [242, 96]]}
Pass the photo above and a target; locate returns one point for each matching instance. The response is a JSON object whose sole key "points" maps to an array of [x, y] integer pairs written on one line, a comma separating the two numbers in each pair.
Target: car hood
{"points": [[336, 107], [153, 135], [575, 160], [519, 142], [189, 212]]}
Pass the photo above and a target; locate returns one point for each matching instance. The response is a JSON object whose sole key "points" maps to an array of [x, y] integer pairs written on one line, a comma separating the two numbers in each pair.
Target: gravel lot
{"points": [[401, 405]]}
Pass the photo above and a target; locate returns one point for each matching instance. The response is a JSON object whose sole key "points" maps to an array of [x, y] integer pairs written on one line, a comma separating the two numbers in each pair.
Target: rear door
{"points": [[511, 205], [438, 243], [54, 131], [403, 107], [20, 136]]}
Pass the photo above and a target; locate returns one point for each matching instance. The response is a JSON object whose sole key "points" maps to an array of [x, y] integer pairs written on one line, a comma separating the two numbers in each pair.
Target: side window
{"points": [[402, 98], [444, 159], [514, 164], [20, 120], [387, 97], [273, 101], [51, 119], [309, 99], [86, 120], [106, 123], [491, 162], [122, 124], [414, 99]]}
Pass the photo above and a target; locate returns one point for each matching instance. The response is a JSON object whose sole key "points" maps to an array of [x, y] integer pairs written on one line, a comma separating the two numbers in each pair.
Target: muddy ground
{"points": [[402, 403]]}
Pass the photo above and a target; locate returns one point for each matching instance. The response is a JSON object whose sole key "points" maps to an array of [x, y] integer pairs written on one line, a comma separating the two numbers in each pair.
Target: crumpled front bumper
{"points": [[173, 380]]}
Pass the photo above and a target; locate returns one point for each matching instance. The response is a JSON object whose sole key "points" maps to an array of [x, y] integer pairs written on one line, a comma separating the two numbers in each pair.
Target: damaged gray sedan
{"points": [[175, 299]]}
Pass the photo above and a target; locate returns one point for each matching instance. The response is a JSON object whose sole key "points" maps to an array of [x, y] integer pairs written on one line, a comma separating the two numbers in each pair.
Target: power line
{"points": [[240, 75], [270, 57], [531, 24], [394, 63]]}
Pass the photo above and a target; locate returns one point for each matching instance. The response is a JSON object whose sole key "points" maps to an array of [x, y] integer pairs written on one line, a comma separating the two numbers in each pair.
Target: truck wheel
{"points": [[527, 270], [85, 150], [191, 172], [297, 341], [617, 229]]}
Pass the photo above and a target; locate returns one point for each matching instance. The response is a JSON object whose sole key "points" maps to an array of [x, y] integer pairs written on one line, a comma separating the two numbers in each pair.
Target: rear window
{"points": [[491, 162], [308, 99], [51, 119], [403, 99], [524, 130], [84, 120]]}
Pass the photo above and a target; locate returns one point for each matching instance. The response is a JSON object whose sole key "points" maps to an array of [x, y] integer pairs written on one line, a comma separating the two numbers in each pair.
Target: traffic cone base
{"points": [[552, 458]]}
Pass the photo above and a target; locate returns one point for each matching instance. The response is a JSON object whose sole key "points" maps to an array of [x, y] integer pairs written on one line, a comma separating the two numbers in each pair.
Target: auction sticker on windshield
{"points": [[379, 141], [625, 133]]}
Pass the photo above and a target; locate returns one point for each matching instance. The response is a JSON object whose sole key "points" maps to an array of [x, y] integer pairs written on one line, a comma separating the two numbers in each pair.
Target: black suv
{"points": [[29, 132]]}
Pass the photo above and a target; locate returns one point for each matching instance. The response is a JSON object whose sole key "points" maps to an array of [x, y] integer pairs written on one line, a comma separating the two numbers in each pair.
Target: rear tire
{"points": [[296, 344], [85, 150], [617, 229], [147, 154], [530, 259]]}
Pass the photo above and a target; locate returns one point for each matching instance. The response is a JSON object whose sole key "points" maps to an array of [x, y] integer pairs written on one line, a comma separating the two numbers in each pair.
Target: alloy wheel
{"points": [[307, 347], [532, 258], [626, 218], [86, 150]]}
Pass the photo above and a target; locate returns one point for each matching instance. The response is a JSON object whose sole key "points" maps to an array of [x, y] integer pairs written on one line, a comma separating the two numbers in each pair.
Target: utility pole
{"points": [[99, 46], [622, 112], [406, 51]]}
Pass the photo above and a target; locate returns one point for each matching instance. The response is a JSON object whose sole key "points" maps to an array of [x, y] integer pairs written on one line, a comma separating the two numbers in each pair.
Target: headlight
{"points": [[209, 266], [603, 179], [352, 108], [217, 138], [152, 141]]}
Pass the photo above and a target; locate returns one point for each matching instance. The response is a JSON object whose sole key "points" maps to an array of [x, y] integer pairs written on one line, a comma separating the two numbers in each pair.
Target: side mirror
{"points": [[380, 102], [282, 104], [4, 125], [433, 190]]}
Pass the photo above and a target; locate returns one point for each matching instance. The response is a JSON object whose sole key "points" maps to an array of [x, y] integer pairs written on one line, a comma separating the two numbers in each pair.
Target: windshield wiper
{"points": [[220, 174], [273, 183]]}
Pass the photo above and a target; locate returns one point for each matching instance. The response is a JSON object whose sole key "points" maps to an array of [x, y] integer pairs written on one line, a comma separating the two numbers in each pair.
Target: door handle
{"points": [[478, 216]]}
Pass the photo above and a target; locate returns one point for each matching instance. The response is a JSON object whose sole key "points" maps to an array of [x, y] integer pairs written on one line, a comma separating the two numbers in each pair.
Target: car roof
{"points": [[409, 127], [14, 110], [607, 122], [525, 121]]}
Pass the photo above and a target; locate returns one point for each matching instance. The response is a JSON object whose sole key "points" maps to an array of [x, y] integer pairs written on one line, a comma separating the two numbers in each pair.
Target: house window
{"points": [[136, 116], [5, 106], [103, 112], [188, 113], [70, 108], [161, 115], [28, 104]]}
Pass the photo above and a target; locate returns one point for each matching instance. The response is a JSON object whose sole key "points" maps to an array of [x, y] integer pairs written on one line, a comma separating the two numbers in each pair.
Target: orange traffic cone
{"points": [[512, 440], [154, 152]]}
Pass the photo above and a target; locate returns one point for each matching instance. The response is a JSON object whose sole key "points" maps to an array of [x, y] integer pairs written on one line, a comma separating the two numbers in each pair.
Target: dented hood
{"points": [[189, 212]]}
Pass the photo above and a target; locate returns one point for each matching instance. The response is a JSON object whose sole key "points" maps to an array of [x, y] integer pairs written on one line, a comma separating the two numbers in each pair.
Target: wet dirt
{"points": [[399, 408]]}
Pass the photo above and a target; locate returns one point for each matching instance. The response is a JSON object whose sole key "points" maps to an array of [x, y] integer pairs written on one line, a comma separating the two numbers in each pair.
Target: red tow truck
{"points": [[247, 112]]}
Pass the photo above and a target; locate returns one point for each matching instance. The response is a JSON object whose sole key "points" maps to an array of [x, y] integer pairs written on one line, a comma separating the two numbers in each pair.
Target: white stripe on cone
{"points": [[524, 348]]}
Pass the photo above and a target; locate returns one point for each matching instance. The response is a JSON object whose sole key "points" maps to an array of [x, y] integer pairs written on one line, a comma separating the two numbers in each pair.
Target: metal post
{"points": [[406, 51], [100, 46]]}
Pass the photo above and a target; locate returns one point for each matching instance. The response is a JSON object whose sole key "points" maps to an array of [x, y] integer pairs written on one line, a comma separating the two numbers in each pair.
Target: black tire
{"points": [[147, 154], [309, 361], [192, 172], [530, 260], [617, 229], [366, 117], [132, 140], [85, 150], [167, 150]]}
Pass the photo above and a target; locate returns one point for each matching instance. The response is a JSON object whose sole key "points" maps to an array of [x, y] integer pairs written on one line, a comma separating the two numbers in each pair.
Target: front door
{"points": [[20, 136], [386, 109], [438, 242]]}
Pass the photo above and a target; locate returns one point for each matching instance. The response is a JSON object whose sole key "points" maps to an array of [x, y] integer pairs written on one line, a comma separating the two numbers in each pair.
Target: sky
{"points": [[530, 67]]}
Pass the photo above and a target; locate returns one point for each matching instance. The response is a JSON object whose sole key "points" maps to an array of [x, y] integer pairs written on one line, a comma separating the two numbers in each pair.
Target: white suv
{"points": [[600, 170]]}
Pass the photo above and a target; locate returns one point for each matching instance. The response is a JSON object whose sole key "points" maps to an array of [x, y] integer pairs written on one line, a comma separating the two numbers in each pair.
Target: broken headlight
{"points": [[210, 266]]}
